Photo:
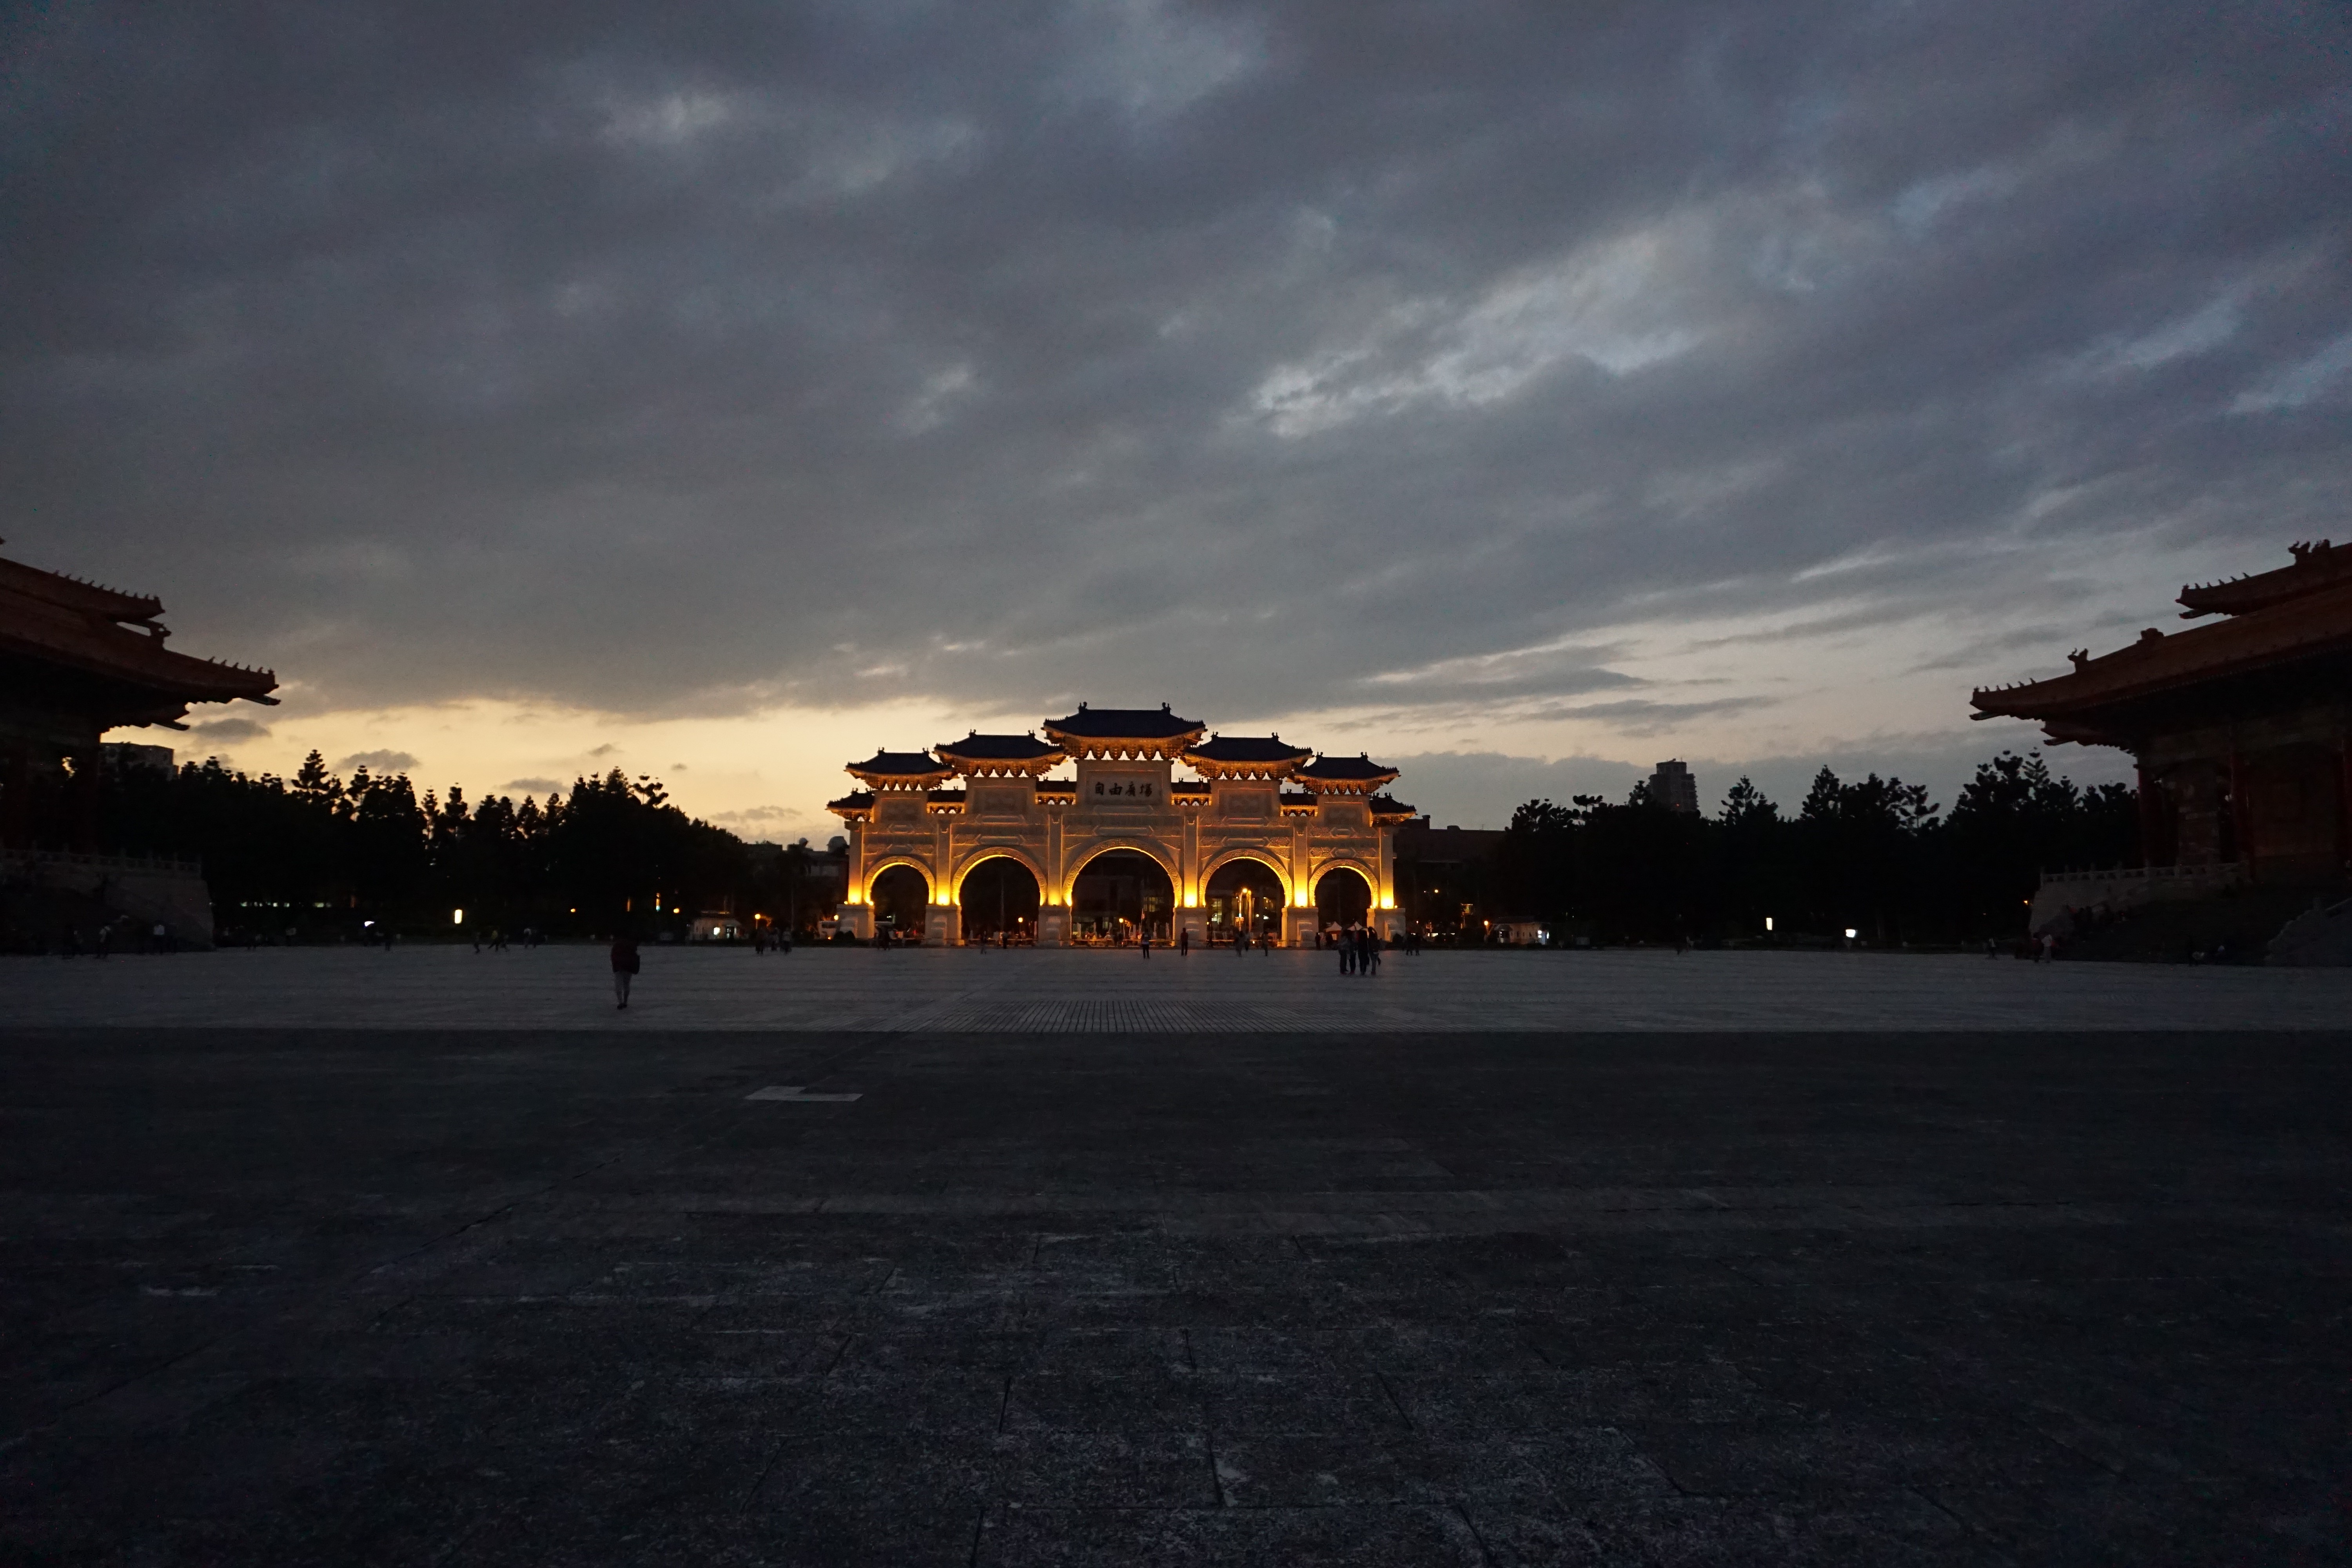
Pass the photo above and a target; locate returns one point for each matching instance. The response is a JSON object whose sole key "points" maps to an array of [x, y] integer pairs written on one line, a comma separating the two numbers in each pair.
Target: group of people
{"points": [[158, 940], [1359, 953], [496, 939], [2041, 949], [1241, 944], [1359, 946]]}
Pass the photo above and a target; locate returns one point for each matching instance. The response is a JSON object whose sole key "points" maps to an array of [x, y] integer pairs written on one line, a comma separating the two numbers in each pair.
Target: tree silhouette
{"points": [[318, 855]]}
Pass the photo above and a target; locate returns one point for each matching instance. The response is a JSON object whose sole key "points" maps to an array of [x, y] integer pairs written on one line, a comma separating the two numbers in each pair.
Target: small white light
{"points": [[1767, 923], [457, 917], [1851, 934]]}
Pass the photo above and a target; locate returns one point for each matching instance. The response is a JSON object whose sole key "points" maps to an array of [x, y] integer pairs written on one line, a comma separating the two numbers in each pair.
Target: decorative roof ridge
{"points": [[147, 606], [898, 771], [88, 582], [1159, 726], [2305, 624], [2313, 567]]}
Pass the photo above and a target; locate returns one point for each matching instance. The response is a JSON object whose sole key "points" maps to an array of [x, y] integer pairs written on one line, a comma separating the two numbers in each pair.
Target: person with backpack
{"points": [[625, 967]]}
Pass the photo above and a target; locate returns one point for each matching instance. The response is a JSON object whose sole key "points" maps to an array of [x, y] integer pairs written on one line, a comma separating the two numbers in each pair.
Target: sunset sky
{"points": [[1521, 393]]}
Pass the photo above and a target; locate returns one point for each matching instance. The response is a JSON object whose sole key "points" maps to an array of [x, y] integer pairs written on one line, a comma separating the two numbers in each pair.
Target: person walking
{"points": [[1146, 942], [1347, 952], [625, 967], [1185, 943], [1372, 945]]}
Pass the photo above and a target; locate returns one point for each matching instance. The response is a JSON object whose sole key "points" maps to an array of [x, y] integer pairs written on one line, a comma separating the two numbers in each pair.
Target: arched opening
{"points": [[1120, 897], [999, 903], [900, 897], [1244, 895], [1343, 898]]}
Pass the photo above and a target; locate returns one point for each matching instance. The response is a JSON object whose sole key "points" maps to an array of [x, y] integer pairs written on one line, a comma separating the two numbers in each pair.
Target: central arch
{"points": [[1121, 895], [1244, 892], [998, 897]]}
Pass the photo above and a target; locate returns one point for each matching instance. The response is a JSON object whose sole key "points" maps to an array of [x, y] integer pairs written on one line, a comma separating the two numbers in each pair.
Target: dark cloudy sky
{"points": [[1526, 393]]}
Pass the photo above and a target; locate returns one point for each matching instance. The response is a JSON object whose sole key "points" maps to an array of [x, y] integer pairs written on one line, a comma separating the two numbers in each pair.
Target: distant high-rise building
{"points": [[120, 754], [1673, 787]]}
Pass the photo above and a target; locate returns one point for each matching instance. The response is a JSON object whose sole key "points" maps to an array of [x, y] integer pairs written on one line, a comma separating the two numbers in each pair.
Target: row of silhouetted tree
{"points": [[1875, 855], [321, 854]]}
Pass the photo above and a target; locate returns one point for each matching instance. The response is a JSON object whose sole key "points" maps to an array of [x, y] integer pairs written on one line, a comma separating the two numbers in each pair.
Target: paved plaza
{"points": [[331, 1295], [1119, 991]]}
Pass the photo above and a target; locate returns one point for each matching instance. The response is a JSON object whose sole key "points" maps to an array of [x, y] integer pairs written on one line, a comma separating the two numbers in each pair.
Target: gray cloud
{"points": [[1983, 652], [531, 786], [684, 363], [229, 731], [1638, 716], [379, 762]]}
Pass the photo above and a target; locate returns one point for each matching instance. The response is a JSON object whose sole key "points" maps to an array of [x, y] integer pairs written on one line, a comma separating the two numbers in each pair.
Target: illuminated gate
{"points": [[1255, 829]]}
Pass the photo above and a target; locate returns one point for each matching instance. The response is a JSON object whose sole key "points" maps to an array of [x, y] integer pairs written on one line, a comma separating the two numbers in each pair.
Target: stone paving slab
{"points": [[338, 1296], [1094, 993]]}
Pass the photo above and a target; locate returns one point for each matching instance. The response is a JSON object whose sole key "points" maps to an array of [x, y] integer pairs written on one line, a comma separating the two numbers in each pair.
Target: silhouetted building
{"points": [[75, 660], [803, 885], [1673, 787], [2243, 728], [123, 755], [1443, 873]]}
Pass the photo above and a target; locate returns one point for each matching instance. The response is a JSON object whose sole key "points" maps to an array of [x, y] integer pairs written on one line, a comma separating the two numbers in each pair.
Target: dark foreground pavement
{"points": [[338, 1298]]}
